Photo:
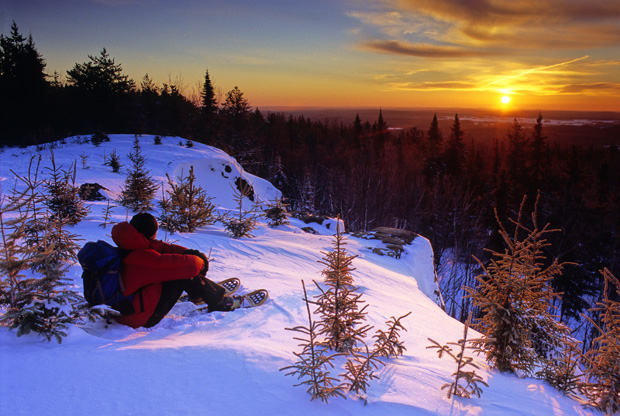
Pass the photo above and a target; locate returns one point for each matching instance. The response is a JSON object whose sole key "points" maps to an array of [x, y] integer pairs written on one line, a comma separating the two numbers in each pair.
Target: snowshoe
{"points": [[230, 286]]}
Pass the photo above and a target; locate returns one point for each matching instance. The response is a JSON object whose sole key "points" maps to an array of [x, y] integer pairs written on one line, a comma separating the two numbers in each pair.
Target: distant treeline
{"points": [[445, 185]]}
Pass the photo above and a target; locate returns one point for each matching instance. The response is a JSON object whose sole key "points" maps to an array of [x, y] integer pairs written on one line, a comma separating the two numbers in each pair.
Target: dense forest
{"points": [[445, 185]]}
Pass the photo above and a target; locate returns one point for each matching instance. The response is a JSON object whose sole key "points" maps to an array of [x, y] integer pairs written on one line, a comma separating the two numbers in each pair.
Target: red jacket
{"points": [[150, 263]]}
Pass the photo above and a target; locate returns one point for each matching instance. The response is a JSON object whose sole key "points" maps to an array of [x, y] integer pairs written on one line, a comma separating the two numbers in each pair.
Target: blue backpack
{"points": [[101, 277]]}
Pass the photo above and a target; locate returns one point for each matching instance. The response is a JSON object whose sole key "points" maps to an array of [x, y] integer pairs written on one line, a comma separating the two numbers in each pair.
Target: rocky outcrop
{"points": [[394, 240]]}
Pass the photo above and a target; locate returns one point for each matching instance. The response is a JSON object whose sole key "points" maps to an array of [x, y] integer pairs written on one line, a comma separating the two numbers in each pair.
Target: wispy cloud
{"points": [[595, 88], [536, 70], [437, 86], [424, 50]]}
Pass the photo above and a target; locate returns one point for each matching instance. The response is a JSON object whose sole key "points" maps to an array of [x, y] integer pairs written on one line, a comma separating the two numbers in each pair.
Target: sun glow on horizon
{"points": [[505, 99]]}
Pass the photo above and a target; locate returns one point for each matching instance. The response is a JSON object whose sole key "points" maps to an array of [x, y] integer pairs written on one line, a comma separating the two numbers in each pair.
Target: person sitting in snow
{"points": [[158, 273]]}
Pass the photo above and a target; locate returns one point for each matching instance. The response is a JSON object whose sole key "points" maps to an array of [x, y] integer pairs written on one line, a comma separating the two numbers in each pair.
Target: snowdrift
{"points": [[228, 363]]}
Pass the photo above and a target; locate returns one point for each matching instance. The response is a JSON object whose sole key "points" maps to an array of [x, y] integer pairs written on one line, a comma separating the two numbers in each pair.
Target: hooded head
{"points": [[145, 224]]}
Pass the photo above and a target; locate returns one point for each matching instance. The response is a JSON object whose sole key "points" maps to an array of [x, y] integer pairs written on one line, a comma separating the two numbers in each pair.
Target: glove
{"points": [[197, 253]]}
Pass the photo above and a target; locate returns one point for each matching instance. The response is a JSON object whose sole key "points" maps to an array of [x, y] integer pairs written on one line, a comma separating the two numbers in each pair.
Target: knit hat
{"points": [[145, 224]]}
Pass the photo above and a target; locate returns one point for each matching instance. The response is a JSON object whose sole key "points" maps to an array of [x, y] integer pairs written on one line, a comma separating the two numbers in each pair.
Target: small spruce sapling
{"points": [[54, 305], [62, 196], [114, 161], [465, 382], [107, 215], [602, 361], [140, 187], [514, 295], [187, 207], [313, 362], [360, 369], [13, 261], [243, 222], [35, 222], [98, 138], [339, 304], [84, 157], [277, 214], [42, 303], [388, 343], [561, 370]]}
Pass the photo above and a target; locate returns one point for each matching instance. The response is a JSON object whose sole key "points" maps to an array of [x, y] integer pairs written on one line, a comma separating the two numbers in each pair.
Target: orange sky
{"points": [[544, 54]]}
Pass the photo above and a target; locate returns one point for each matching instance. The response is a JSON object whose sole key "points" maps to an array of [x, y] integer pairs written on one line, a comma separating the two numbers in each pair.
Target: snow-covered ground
{"points": [[229, 363]]}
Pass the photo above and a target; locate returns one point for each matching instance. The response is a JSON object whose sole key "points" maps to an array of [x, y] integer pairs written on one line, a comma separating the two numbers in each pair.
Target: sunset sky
{"points": [[543, 54]]}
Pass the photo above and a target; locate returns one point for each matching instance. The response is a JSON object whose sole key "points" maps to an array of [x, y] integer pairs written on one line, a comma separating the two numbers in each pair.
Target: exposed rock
{"points": [[394, 240], [90, 192], [404, 235], [309, 218]]}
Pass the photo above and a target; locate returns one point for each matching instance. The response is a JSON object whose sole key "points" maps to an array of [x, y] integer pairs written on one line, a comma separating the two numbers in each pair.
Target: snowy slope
{"points": [[228, 363]]}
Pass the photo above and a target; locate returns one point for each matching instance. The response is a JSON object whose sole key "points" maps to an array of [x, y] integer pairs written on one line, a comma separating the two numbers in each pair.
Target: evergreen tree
{"points": [[14, 260], [466, 381], [514, 295], [188, 206], [380, 130], [55, 304], [357, 130], [387, 343], [100, 92], [35, 198], [276, 213], [207, 96], [244, 221], [62, 196], [114, 161], [235, 111], [174, 112], [455, 156], [140, 187], [433, 164], [339, 305], [106, 213], [42, 303], [360, 366], [314, 362], [602, 361], [236, 105], [150, 105], [24, 89], [360, 369], [538, 155], [517, 159]]}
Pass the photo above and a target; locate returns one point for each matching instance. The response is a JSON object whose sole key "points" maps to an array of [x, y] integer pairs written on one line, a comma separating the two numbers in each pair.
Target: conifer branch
{"points": [[313, 362], [360, 370], [465, 382], [387, 343], [602, 362]]}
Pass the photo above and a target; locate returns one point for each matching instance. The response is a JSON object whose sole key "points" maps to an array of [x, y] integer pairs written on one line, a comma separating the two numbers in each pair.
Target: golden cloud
{"points": [[508, 24], [596, 88]]}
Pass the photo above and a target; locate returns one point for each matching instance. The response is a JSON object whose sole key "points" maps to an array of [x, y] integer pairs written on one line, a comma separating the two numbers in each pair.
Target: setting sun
{"points": [[505, 99]]}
